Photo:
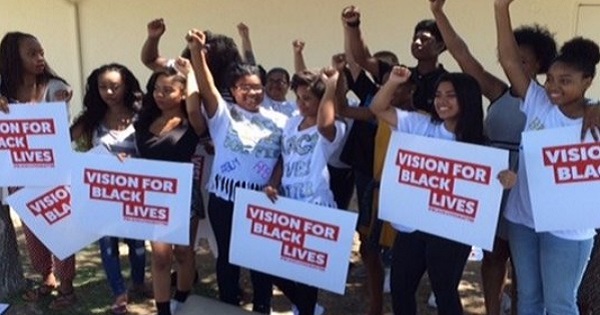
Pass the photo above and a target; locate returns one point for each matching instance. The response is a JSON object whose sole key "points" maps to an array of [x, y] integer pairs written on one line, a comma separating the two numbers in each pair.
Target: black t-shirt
{"points": [[360, 146], [177, 145], [425, 85]]}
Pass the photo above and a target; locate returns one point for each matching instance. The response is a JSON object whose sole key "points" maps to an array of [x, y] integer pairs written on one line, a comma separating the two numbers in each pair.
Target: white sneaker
{"points": [[431, 300], [319, 309], [174, 306], [386, 282]]}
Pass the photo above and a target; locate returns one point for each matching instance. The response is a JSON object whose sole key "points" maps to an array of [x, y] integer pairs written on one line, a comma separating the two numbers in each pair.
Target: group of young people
{"points": [[216, 95]]}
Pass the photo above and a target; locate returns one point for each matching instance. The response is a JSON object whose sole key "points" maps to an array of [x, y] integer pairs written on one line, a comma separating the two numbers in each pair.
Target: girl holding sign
{"points": [[309, 140], [549, 265], [109, 105], [247, 141], [503, 124], [27, 78], [168, 129], [458, 116]]}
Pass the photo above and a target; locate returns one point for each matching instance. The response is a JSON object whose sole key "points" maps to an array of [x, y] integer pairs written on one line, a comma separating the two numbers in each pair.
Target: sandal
{"points": [[119, 308], [35, 294], [63, 301]]}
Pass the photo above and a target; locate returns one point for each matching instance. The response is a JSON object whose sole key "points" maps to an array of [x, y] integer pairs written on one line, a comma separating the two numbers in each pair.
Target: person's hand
{"points": [[591, 122], [183, 65], [298, 46], [350, 16], [338, 61], [63, 95], [243, 30], [399, 75], [436, 5], [329, 76], [196, 39], [507, 178], [4, 105], [156, 28], [271, 193], [122, 156]]}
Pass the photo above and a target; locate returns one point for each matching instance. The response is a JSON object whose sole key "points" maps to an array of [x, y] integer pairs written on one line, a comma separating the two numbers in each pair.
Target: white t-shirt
{"points": [[247, 146], [288, 108], [335, 160], [541, 114], [305, 155], [418, 124]]}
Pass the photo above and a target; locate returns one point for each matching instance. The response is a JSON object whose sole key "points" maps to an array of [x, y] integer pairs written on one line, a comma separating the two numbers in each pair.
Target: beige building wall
{"points": [[114, 30]]}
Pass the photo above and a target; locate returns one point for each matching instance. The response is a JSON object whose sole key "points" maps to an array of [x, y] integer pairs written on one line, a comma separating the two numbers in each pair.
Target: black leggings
{"points": [[443, 259]]}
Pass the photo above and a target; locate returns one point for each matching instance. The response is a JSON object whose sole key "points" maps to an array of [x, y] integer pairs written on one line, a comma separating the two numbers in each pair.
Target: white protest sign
{"points": [[441, 187], [48, 214], [136, 198], [291, 239], [563, 178], [35, 147]]}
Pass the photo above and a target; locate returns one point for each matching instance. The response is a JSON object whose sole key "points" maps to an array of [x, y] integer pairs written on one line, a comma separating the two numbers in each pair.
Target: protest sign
{"points": [[563, 177], [136, 198], [35, 145], [47, 212], [291, 239], [442, 187]]}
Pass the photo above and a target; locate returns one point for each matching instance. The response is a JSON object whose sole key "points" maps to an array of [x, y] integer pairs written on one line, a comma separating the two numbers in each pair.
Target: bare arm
{"points": [[491, 86], [206, 84], [508, 51], [326, 114], [381, 105], [248, 53], [353, 36], [150, 55], [342, 108], [272, 188], [299, 64], [192, 99]]}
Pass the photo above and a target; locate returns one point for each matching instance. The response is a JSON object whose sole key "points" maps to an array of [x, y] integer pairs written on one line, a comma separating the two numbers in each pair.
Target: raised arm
{"points": [[206, 84], [353, 37], [299, 63], [491, 86], [326, 114], [192, 98], [150, 55], [508, 50], [342, 108], [248, 53], [381, 105]]}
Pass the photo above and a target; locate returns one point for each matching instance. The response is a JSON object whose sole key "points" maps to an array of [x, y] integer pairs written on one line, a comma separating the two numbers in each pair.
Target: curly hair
{"points": [[469, 127], [582, 54], [94, 107], [222, 54], [11, 65], [540, 41]]}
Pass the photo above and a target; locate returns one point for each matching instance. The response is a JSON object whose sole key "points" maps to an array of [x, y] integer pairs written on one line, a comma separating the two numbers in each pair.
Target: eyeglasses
{"points": [[250, 88]]}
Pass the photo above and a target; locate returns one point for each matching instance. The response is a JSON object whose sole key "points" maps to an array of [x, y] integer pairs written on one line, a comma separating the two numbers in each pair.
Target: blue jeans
{"points": [[109, 251], [549, 269]]}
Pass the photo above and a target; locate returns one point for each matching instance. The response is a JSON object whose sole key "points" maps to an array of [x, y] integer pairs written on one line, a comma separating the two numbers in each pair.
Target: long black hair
{"points": [[469, 126], [11, 65], [94, 107]]}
